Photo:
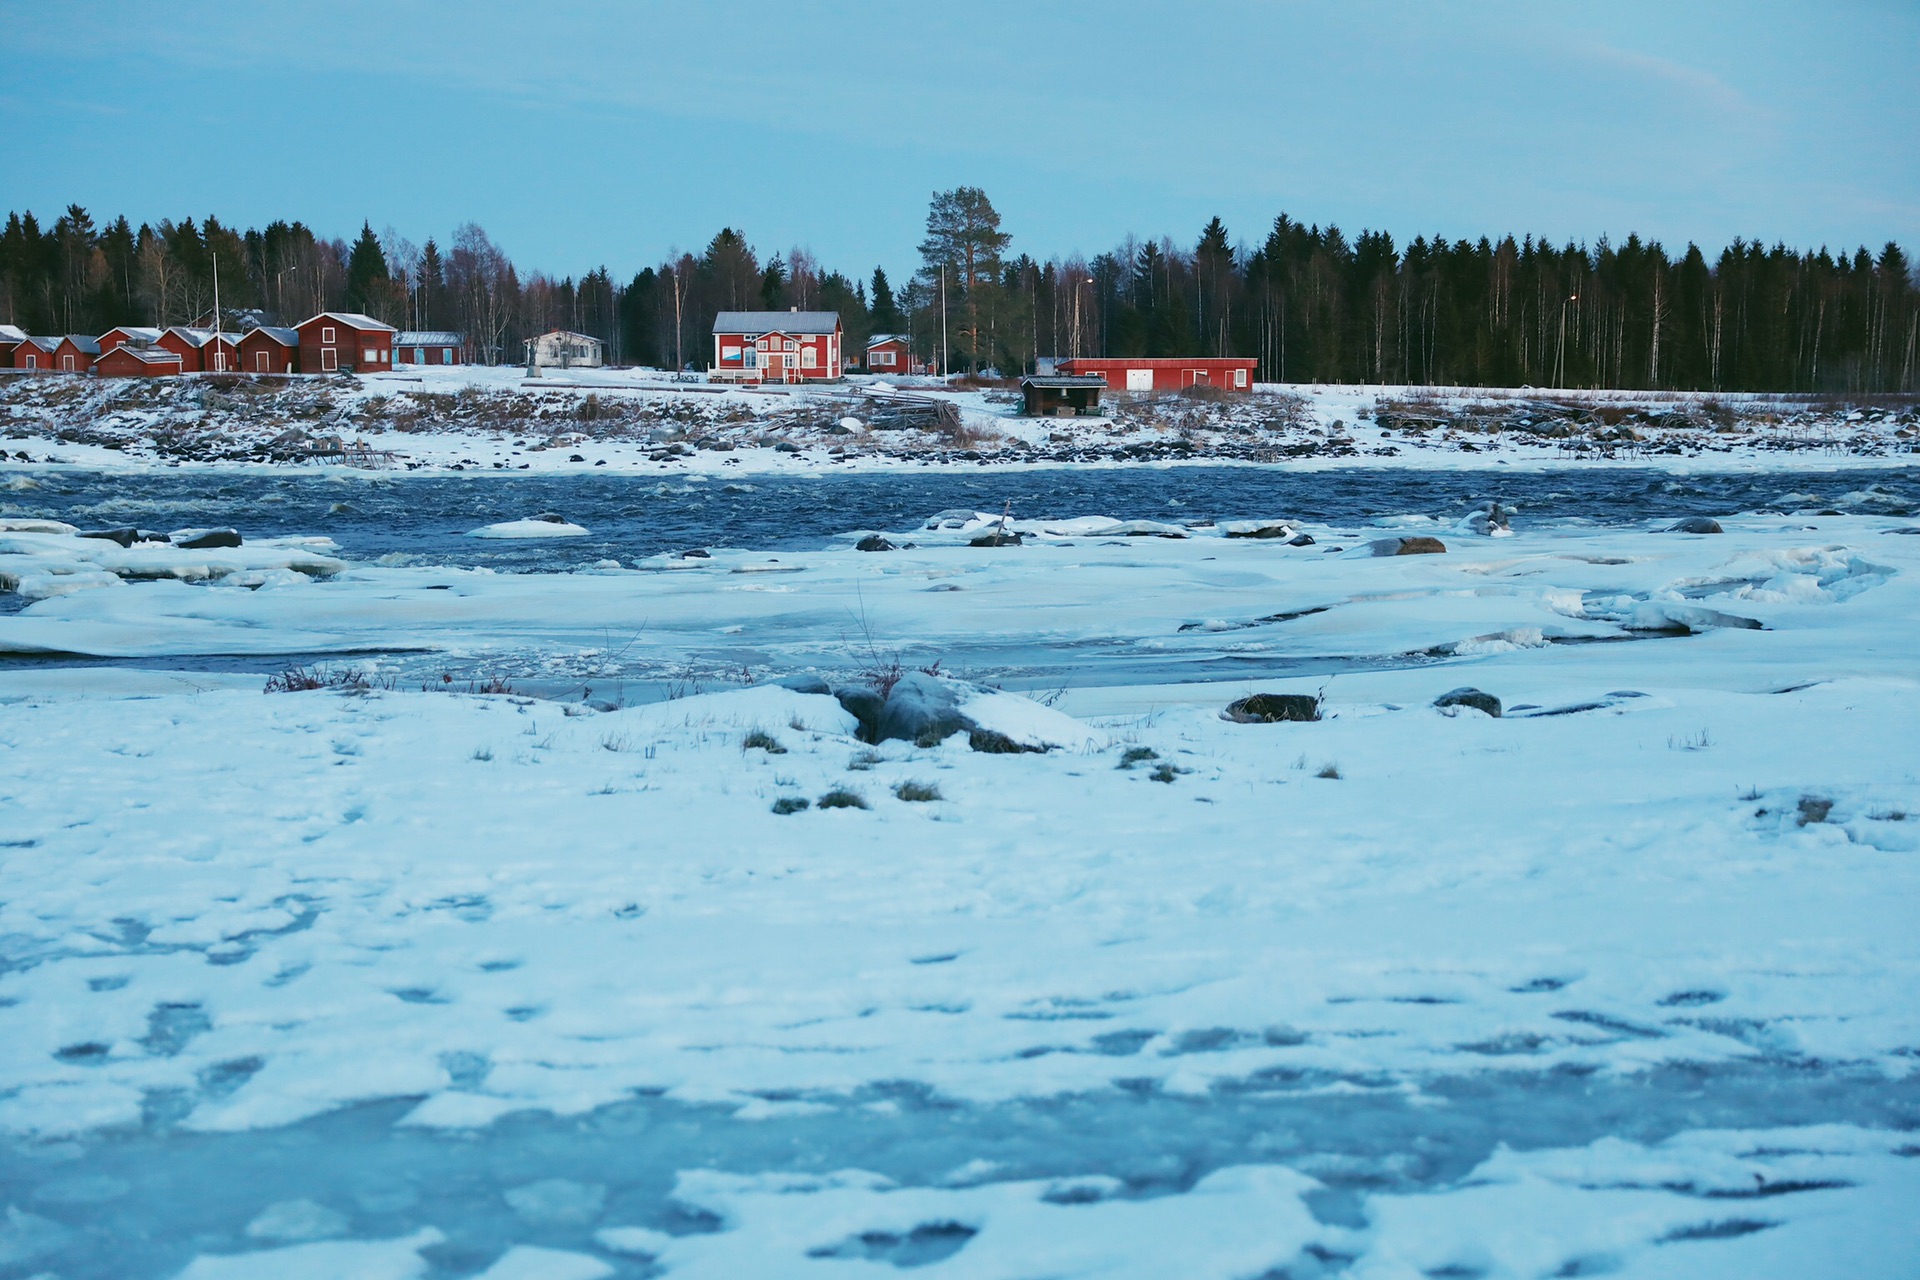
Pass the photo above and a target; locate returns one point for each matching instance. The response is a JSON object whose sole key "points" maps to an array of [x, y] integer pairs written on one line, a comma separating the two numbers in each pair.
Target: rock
{"points": [[873, 542], [864, 703], [1254, 529], [990, 742], [921, 709], [1696, 524], [1419, 545], [574, 457], [803, 683], [204, 539], [1470, 697], [549, 517], [1300, 540], [1273, 708], [786, 446], [696, 553], [1488, 520], [124, 537], [997, 538]]}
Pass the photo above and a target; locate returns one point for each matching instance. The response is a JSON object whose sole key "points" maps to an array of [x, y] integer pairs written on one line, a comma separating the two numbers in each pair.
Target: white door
{"points": [[329, 360], [1139, 379]]}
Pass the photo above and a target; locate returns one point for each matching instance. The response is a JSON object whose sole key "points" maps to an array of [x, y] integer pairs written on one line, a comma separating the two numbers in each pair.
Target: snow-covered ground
{"points": [[468, 418], [384, 981]]}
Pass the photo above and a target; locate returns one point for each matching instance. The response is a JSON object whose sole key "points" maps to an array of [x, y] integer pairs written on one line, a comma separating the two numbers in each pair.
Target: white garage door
{"points": [[1139, 379]]}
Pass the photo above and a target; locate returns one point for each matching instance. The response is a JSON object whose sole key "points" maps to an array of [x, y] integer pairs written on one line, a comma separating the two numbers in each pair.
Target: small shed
{"points": [[269, 349], [75, 353], [1062, 395], [35, 354], [890, 353], [185, 343], [10, 340], [129, 361], [427, 346], [564, 349]]}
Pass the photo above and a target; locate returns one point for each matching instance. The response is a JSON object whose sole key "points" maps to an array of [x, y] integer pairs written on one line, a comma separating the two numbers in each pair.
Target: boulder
{"points": [[802, 683], [1488, 520], [1300, 540], [1273, 708], [923, 709], [873, 542], [125, 537], [1470, 697], [864, 703], [1418, 545], [1259, 529], [1696, 524], [695, 553], [997, 538], [205, 539]]}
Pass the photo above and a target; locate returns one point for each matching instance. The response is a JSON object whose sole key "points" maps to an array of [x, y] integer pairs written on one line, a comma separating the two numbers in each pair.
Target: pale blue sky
{"points": [[588, 133]]}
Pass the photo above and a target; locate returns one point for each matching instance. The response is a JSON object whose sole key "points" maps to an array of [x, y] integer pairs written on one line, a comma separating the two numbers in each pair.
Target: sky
{"points": [[582, 134]]}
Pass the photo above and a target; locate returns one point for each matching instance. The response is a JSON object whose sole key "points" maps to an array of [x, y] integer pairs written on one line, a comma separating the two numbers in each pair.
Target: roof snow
{"points": [[285, 337], [353, 320], [137, 334], [192, 337], [754, 323], [879, 338], [10, 334], [151, 355], [426, 338]]}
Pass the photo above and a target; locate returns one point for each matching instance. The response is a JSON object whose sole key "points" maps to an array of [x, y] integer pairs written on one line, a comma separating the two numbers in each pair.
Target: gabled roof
{"points": [[150, 355], [192, 337], [10, 334], [1064, 381], [755, 323], [351, 319], [45, 344], [285, 337], [86, 345], [879, 338], [135, 332], [568, 333], [426, 338]]}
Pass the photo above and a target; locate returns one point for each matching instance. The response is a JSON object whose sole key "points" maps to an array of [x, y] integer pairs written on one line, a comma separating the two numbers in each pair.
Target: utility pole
{"points": [[943, 320]]}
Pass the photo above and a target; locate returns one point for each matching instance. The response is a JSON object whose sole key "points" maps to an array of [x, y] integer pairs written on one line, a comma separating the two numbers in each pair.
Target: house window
{"points": [[1239, 377], [791, 344], [370, 355], [446, 355], [762, 344], [329, 360], [326, 333], [809, 358], [729, 353]]}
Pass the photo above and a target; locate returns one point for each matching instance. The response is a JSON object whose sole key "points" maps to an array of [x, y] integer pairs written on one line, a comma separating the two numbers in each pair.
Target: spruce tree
{"points": [[883, 312], [366, 272]]}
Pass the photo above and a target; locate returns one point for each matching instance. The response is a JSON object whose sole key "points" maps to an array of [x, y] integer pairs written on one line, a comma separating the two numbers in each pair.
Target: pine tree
{"points": [[883, 313], [366, 272]]}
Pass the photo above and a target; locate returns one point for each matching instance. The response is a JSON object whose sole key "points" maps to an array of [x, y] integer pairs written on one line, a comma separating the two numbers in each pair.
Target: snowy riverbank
{"points": [[1621, 980], [469, 419]]}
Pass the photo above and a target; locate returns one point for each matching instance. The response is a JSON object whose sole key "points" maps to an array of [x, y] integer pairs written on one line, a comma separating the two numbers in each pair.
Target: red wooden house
{"points": [[777, 346], [186, 344], [10, 342], [1165, 373], [75, 353], [269, 349], [35, 353], [129, 361], [427, 346], [335, 341], [891, 353], [127, 335]]}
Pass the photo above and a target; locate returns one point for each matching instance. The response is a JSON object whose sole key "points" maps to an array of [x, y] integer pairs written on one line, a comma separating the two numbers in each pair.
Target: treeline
{"points": [[1311, 304]]}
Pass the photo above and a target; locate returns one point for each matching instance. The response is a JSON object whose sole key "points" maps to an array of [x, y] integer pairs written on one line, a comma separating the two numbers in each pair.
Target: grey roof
{"points": [[45, 344], [1063, 381], [426, 338], [353, 320], [193, 337], [152, 355], [10, 334], [879, 338], [136, 331], [285, 337], [755, 323], [90, 346]]}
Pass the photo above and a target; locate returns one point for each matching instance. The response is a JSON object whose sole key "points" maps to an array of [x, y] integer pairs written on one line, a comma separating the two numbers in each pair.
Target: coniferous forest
{"points": [[1311, 303]]}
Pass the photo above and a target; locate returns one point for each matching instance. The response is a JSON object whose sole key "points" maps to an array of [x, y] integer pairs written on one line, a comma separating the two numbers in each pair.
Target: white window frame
{"points": [[66, 364], [326, 333], [33, 362], [370, 354], [1239, 377], [329, 360], [809, 358]]}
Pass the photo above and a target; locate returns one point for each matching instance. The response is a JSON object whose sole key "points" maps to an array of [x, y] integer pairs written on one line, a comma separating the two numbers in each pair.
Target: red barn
{"points": [[890, 353], [75, 353], [427, 346], [345, 340], [186, 344], [269, 349], [1165, 373], [777, 346], [129, 361], [36, 353], [11, 340], [127, 335]]}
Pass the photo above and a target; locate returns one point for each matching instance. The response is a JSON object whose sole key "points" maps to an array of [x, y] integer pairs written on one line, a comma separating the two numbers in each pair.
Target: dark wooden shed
{"points": [[1060, 395]]}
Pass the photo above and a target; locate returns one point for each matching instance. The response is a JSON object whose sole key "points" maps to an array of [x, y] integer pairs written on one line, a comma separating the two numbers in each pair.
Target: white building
{"points": [[564, 349]]}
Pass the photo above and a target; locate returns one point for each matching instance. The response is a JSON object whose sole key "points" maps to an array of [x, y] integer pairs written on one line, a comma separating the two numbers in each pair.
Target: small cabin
{"points": [[891, 353], [269, 349], [35, 354], [10, 341], [75, 353], [1061, 395], [427, 346], [564, 349], [129, 361], [345, 342]]}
